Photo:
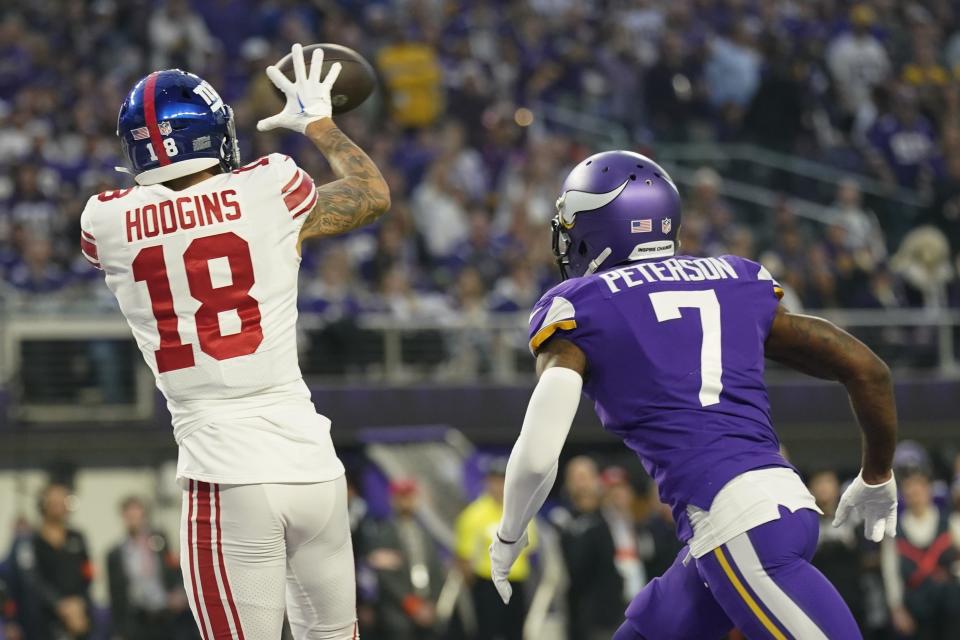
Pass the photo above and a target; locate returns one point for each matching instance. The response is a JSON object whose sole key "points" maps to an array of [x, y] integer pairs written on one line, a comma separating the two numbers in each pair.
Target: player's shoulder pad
{"points": [[294, 185], [556, 311], [754, 271]]}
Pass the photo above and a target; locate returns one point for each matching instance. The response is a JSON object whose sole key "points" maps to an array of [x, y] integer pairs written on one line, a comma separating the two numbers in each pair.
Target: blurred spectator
{"points": [[403, 302], [147, 599], [412, 76], [659, 544], [475, 528], [732, 72], [864, 236], [518, 290], [333, 293], [9, 630], [595, 596], [51, 573], [36, 272], [620, 511], [923, 263], [858, 62], [482, 250], [903, 146], [408, 568], [777, 112], [922, 591], [179, 37], [944, 210], [674, 89], [472, 351], [709, 213], [838, 549], [439, 212]]}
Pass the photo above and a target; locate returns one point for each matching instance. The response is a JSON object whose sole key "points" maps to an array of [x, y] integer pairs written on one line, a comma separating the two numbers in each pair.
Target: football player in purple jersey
{"points": [[670, 348]]}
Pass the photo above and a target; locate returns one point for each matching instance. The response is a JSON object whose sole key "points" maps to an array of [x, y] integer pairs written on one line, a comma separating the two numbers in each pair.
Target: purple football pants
{"points": [[761, 582]]}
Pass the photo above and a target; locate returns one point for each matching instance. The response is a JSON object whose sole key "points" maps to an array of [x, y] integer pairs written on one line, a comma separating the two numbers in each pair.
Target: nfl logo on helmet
{"points": [[666, 225]]}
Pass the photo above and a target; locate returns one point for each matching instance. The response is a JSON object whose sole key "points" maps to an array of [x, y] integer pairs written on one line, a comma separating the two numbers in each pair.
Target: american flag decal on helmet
{"points": [[140, 133], [641, 226]]}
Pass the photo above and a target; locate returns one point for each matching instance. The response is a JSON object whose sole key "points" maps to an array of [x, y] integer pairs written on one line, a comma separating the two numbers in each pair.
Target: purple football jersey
{"points": [[675, 359]]}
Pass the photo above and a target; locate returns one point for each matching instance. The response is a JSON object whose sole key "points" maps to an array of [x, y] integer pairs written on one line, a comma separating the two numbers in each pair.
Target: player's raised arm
{"points": [[534, 461], [819, 348], [360, 194]]}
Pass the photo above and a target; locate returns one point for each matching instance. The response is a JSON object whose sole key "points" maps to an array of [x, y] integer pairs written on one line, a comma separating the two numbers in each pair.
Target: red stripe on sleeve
{"points": [[150, 114], [89, 248], [87, 235], [308, 206], [298, 196], [292, 182]]}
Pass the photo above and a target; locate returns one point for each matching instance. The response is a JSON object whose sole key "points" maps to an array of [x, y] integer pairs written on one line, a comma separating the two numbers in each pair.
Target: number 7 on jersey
{"points": [[667, 305]]}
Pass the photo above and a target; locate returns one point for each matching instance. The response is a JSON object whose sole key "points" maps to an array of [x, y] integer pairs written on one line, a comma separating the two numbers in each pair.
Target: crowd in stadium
{"points": [[612, 532], [872, 89]]}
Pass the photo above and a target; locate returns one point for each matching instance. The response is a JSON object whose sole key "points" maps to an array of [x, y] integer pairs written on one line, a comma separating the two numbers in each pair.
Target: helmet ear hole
{"points": [[582, 248]]}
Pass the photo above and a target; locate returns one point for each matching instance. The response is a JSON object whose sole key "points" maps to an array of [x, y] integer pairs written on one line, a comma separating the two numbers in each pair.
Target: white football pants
{"points": [[249, 552]]}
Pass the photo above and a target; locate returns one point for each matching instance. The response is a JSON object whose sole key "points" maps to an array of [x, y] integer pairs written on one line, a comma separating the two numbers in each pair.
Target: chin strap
{"points": [[596, 262]]}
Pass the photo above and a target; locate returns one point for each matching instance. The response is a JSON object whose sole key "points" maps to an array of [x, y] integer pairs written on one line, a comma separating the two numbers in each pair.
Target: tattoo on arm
{"points": [[819, 348], [561, 353], [359, 195]]}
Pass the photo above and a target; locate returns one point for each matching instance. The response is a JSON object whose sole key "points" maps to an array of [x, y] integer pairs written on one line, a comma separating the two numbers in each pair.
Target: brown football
{"points": [[355, 83]]}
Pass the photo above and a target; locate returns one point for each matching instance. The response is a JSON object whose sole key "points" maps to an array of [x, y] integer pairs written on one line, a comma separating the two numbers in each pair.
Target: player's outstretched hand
{"points": [[875, 503], [502, 556], [308, 97]]}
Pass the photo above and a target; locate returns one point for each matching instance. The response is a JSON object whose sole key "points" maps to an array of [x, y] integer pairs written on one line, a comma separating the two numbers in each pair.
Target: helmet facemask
{"points": [[230, 147], [561, 246]]}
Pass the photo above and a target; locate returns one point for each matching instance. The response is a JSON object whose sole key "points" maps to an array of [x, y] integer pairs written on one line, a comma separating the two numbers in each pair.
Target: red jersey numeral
{"points": [[107, 196], [150, 266]]}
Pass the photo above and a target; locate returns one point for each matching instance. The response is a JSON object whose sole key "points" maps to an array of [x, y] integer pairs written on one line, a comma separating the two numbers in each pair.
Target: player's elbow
{"points": [[380, 193], [870, 369]]}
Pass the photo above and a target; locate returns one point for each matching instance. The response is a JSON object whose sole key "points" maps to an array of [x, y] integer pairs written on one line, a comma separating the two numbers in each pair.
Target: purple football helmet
{"points": [[616, 207]]}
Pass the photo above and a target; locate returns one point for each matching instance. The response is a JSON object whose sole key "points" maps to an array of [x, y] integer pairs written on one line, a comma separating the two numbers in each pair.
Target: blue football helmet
{"points": [[615, 207], [174, 123]]}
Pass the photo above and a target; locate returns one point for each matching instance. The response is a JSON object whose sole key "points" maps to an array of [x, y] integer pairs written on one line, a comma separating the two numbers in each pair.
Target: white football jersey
{"points": [[207, 280]]}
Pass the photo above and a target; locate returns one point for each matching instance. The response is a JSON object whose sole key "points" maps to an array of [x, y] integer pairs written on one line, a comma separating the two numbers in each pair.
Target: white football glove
{"points": [[502, 557], [308, 98], [875, 503]]}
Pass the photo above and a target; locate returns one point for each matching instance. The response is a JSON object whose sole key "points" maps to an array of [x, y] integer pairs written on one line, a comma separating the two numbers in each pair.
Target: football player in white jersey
{"points": [[203, 257]]}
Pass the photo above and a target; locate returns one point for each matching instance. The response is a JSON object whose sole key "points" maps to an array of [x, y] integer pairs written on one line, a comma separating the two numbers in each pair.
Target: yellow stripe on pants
{"points": [[757, 611]]}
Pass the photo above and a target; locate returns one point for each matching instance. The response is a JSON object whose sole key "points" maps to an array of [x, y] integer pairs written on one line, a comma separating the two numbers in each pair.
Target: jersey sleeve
{"points": [[88, 242], [763, 275], [755, 272], [555, 312], [296, 186]]}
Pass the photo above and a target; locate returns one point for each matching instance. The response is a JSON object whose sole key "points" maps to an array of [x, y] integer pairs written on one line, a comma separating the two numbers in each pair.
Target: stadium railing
{"points": [[57, 368]]}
